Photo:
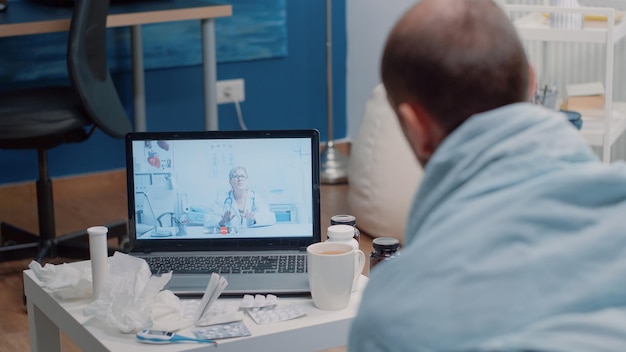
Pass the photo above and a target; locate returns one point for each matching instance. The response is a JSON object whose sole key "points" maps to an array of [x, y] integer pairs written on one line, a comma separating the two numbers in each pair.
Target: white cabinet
{"points": [[602, 25]]}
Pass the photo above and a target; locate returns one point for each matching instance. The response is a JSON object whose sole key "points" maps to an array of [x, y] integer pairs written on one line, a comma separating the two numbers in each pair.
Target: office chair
{"points": [[46, 117]]}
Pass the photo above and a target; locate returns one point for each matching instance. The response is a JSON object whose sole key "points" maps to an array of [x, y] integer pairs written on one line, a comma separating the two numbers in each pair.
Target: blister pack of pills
{"points": [[219, 312], [273, 314], [258, 301], [222, 331], [263, 309], [190, 306]]}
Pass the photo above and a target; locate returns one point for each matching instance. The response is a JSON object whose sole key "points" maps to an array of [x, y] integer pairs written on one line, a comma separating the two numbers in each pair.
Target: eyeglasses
{"points": [[239, 177]]}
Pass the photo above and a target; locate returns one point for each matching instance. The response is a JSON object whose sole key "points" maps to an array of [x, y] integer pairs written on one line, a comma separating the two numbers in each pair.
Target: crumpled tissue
{"points": [[167, 312], [64, 281], [132, 299]]}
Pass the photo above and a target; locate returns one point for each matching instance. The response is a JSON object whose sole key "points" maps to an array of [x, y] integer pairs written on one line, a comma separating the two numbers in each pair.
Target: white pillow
{"points": [[383, 173]]}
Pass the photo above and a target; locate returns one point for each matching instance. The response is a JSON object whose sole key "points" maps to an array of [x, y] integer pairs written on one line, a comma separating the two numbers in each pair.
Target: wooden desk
{"points": [[27, 18]]}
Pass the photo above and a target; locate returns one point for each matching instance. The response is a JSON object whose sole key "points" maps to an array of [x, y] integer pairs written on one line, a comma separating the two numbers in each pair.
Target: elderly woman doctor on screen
{"points": [[240, 206]]}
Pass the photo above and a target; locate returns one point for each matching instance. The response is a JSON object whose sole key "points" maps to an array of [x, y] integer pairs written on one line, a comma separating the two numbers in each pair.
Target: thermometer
{"points": [[163, 337]]}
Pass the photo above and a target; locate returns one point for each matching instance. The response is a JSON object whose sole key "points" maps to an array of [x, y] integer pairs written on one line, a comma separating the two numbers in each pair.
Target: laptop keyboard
{"points": [[293, 263]]}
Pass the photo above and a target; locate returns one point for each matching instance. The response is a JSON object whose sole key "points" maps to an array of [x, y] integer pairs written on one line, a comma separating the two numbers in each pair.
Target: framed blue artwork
{"points": [[256, 30]]}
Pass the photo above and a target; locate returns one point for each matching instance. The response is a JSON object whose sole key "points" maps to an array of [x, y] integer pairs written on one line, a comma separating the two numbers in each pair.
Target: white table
{"points": [[48, 315]]}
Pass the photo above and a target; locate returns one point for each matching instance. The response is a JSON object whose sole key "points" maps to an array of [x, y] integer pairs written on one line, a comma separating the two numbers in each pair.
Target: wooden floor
{"points": [[81, 202]]}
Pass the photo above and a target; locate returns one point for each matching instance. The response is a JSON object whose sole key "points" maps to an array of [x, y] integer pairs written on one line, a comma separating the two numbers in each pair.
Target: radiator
{"points": [[570, 63]]}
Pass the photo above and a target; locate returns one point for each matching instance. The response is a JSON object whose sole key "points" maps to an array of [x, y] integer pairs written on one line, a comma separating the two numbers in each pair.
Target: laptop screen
{"points": [[223, 190]]}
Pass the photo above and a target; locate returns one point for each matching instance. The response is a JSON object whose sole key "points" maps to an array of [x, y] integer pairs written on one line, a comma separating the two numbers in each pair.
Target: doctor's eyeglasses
{"points": [[238, 177]]}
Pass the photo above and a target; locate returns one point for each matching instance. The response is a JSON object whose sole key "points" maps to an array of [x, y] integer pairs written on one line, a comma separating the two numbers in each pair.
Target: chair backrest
{"points": [[88, 70]]}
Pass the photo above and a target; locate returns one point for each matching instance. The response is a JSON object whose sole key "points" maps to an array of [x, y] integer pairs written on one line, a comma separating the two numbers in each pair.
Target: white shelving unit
{"points": [[532, 23]]}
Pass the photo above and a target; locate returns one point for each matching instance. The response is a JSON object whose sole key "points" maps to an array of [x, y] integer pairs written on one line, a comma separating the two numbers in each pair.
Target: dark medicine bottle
{"points": [[346, 220], [384, 248]]}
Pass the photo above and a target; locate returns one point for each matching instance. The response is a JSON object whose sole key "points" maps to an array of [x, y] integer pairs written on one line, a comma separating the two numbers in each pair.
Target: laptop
{"points": [[243, 204]]}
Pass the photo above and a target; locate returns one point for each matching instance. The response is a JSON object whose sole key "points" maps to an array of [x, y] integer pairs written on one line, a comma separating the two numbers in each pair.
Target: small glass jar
{"points": [[345, 219], [384, 248]]}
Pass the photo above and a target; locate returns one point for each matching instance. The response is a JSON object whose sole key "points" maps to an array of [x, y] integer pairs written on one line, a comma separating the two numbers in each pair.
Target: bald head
{"points": [[455, 58]]}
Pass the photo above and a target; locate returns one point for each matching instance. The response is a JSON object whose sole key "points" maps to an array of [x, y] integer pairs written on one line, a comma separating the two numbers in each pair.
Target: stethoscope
{"points": [[228, 202]]}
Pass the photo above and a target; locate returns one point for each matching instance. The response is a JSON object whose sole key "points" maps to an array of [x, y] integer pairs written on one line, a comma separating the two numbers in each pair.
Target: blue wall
{"points": [[285, 93]]}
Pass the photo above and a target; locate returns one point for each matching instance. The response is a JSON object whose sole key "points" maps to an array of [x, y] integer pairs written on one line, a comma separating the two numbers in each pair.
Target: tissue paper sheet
{"points": [[64, 281], [131, 298], [127, 295]]}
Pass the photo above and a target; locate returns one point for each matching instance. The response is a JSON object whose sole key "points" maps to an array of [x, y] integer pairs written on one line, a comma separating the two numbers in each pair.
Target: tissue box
{"points": [[586, 96]]}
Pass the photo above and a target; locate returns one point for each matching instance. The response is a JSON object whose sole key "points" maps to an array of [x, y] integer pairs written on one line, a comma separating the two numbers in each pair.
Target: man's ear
{"points": [[420, 130], [532, 82]]}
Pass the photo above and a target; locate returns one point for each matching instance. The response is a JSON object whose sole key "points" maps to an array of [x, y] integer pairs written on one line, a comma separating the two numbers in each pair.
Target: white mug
{"points": [[332, 268]]}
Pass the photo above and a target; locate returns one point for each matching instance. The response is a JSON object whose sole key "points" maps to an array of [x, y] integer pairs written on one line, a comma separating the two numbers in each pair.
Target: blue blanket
{"points": [[516, 240]]}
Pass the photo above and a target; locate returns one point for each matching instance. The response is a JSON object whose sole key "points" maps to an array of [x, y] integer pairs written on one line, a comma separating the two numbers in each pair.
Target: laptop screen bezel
{"points": [[223, 244]]}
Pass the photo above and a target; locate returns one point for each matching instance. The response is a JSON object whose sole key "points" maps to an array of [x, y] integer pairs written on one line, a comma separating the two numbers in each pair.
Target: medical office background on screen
{"points": [[186, 178]]}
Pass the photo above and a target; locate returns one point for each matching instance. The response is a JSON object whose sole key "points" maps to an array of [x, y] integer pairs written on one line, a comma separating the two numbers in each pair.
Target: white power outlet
{"points": [[230, 90]]}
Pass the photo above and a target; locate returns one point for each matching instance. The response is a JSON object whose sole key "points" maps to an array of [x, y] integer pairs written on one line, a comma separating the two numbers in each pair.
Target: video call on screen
{"points": [[183, 188]]}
